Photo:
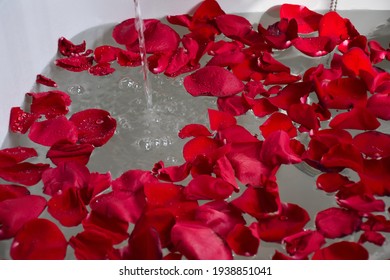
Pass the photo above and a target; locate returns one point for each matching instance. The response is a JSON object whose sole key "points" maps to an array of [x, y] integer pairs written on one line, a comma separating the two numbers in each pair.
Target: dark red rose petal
{"points": [[373, 237], [15, 212], [39, 239], [291, 94], [104, 54], [213, 80], [378, 105], [280, 78], [67, 207], [125, 33], [68, 48], [336, 222], [331, 182], [172, 173], [280, 34], [343, 250], [334, 26], [133, 181], [98, 182], [243, 240], [17, 154], [51, 131], [220, 120], [307, 20], [68, 152], [207, 187], [75, 63], [301, 244], [233, 26], [101, 69], [94, 126], [314, 46], [376, 175], [12, 191], [373, 144], [223, 169], [128, 58], [21, 121], [305, 115], [24, 173], [207, 10], [92, 245], [278, 121], [194, 130], [376, 223], [357, 118], [43, 80], [198, 242], [268, 63], [343, 155], [291, 220], [234, 105], [50, 104]]}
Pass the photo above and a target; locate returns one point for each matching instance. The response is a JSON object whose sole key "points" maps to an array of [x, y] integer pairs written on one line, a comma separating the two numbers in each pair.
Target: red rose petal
{"points": [[207, 10], [213, 80], [67, 207], [280, 256], [233, 105], [373, 237], [307, 20], [12, 191], [68, 152], [50, 104], [104, 54], [357, 118], [280, 34], [373, 144], [128, 58], [343, 250], [223, 169], [378, 105], [172, 173], [21, 121], [305, 115], [301, 244], [377, 52], [331, 182], [314, 46], [125, 33], [24, 173], [280, 78], [75, 63], [343, 155], [51, 131], [334, 26], [243, 240], [194, 130], [101, 69], [94, 126], [263, 107], [227, 59], [237, 134], [336, 222], [97, 183], [268, 63], [207, 187], [357, 62], [220, 120], [375, 175], [18, 154], [278, 121], [158, 62], [43, 80], [291, 94], [198, 242], [376, 223], [182, 20], [15, 212], [39, 239], [201, 145], [233, 26], [180, 63], [291, 219], [68, 48]]}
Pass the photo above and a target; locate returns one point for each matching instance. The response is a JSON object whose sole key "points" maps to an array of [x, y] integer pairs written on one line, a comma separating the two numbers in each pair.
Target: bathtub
{"points": [[29, 31]]}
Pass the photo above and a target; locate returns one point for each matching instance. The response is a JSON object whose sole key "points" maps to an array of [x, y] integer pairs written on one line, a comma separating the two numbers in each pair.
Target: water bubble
{"points": [[76, 89], [127, 83]]}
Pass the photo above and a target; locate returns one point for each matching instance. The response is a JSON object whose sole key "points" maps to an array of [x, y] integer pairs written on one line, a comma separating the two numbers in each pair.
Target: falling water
{"points": [[140, 27]]}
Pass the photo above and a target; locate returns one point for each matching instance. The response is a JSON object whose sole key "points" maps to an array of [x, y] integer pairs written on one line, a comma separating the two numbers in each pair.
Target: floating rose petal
{"points": [[263, 107], [358, 118], [291, 94], [301, 244], [207, 187], [236, 134], [104, 54], [21, 121], [194, 130], [376, 175], [227, 59], [43, 80], [207, 10], [12, 191], [97, 183], [278, 121], [51, 104], [314, 46], [220, 120], [198, 242], [258, 202], [15, 212], [179, 63], [334, 26], [201, 145], [343, 155], [213, 80], [280, 34], [305, 115], [94, 126], [51, 131], [223, 169], [67, 207], [101, 69], [359, 41], [336, 222], [128, 58], [377, 52], [373, 237], [68, 152], [376, 223], [75, 63], [18, 154], [268, 63], [158, 62], [307, 20], [68, 48], [378, 105], [331, 182], [243, 240], [182, 20], [24, 173], [356, 62], [291, 219], [343, 250], [233, 26], [92, 245], [280, 78], [373, 144], [39, 239]]}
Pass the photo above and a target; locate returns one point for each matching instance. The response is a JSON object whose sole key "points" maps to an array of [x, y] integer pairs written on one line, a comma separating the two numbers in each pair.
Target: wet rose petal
{"points": [[278, 121], [220, 120], [182, 20], [24, 173], [375, 175], [331, 182], [92, 245], [17, 154], [378, 105], [372, 237], [21, 121], [343, 250], [68, 48], [268, 63], [314, 46], [301, 244], [101, 69], [172, 173], [291, 94], [50, 104], [377, 52], [343, 155], [280, 78], [337, 222], [373, 144], [94, 126], [51, 131], [104, 54], [201, 145], [179, 63], [243, 240], [356, 62], [227, 59], [207, 187], [67, 152], [97, 183], [263, 107], [280, 34], [39, 239], [290, 220], [307, 20], [223, 169], [67, 207], [198, 242], [357, 118], [334, 26], [75, 63], [305, 115], [43, 80], [12, 191], [194, 130], [15, 212], [213, 80], [233, 26], [128, 58]]}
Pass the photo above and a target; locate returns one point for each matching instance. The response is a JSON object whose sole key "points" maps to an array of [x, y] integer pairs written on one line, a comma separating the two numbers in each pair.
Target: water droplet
{"points": [[126, 83], [76, 89], [99, 121]]}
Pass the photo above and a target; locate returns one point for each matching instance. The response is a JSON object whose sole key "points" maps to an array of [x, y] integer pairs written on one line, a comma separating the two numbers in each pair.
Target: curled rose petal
{"points": [[75, 63], [67, 152], [314, 46], [12, 191], [43, 80], [50, 104], [24, 173], [280, 34], [278, 121], [268, 63], [51, 131], [301, 244], [198, 242], [128, 58], [94, 126], [207, 187], [307, 20], [373, 144], [194, 130], [377, 52], [213, 80], [331, 182], [336, 222], [39, 239], [68, 48], [101, 69], [97, 183], [343, 250], [357, 118], [21, 121], [373, 237], [223, 169], [172, 173], [243, 240], [15, 212]]}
